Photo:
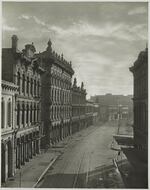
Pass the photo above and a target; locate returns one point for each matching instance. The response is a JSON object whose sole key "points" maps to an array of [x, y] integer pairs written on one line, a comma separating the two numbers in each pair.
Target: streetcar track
{"points": [[78, 171]]}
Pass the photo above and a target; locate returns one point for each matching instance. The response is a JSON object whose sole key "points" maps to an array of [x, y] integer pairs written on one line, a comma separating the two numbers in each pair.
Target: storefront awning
{"points": [[124, 140]]}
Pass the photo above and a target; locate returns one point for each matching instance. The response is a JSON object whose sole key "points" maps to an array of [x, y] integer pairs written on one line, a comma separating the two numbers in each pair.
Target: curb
{"points": [[44, 172]]}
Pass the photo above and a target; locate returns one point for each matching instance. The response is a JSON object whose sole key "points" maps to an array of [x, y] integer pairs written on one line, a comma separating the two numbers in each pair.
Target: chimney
{"points": [[14, 42]]}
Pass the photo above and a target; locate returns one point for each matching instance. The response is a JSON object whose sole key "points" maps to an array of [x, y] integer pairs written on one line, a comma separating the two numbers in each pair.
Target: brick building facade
{"points": [[140, 100], [78, 107], [7, 129], [45, 106], [136, 148], [22, 68], [56, 96]]}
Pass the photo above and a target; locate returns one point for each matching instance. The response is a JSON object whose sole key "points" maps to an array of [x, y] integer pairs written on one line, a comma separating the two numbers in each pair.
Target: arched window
{"points": [[31, 113], [18, 79], [38, 88], [18, 114], [9, 113], [2, 113], [34, 87], [38, 114], [31, 87], [23, 83], [27, 114], [52, 113], [27, 87], [23, 112], [34, 113]]}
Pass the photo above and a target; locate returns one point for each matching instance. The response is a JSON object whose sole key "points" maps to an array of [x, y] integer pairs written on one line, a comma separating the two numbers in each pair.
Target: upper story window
{"points": [[23, 114], [27, 114], [18, 79], [38, 88], [2, 113], [31, 114], [27, 90], [18, 114], [9, 113], [34, 87], [23, 83], [31, 87]]}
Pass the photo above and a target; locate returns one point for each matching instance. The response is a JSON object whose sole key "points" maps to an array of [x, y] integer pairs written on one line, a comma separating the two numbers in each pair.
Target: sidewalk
{"points": [[30, 173]]}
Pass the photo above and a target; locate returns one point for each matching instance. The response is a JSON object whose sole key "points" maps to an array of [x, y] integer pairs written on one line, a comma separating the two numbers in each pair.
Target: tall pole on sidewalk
{"points": [[20, 179]]}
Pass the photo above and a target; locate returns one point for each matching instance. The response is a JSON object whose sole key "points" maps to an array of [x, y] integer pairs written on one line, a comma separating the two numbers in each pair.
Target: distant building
{"points": [[91, 113], [78, 107], [116, 112], [109, 106]]}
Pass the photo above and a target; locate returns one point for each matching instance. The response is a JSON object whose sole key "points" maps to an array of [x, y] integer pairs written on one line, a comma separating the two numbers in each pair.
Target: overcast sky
{"points": [[101, 39]]}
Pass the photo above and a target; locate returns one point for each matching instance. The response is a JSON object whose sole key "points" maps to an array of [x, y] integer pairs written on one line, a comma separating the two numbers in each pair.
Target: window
{"points": [[18, 79], [31, 87], [23, 83], [27, 114], [34, 113], [31, 113], [27, 87], [34, 87], [18, 114], [2, 113], [9, 113], [23, 112], [38, 88], [38, 114]]}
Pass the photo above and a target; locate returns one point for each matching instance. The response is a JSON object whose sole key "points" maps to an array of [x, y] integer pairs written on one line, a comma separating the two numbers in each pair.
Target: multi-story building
{"points": [[136, 148], [140, 100], [7, 129], [116, 112], [39, 104], [109, 105], [56, 96], [78, 107], [91, 113], [23, 69]]}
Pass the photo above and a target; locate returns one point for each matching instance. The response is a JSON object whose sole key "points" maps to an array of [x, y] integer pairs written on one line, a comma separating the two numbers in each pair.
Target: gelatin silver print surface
{"points": [[74, 95]]}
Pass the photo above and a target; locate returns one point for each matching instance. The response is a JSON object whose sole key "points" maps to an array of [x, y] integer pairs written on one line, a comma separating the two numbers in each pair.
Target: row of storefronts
{"points": [[39, 104]]}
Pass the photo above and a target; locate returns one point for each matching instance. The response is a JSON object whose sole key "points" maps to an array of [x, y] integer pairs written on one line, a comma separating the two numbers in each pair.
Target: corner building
{"points": [[56, 96], [7, 129], [23, 69]]}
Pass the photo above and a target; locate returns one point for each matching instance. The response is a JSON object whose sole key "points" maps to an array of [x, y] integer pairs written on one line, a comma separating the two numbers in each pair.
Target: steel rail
{"points": [[78, 171]]}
